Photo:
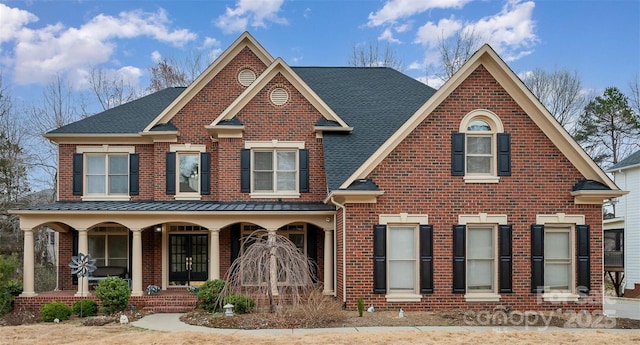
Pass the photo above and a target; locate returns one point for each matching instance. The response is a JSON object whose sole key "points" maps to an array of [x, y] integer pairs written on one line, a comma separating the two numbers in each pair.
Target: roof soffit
{"points": [[245, 40], [487, 57], [279, 67]]}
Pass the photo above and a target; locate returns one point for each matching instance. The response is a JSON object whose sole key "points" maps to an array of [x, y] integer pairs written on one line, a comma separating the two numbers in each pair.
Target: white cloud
{"points": [[44, 52], [252, 13], [430, 34], [393, 10], [387, 35], [156, 56], [12, 20], [210, 42]]}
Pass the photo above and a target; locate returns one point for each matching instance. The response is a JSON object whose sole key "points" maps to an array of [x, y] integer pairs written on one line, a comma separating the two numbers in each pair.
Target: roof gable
{"points": [[279, 67], [245, 40], [488, 58]]}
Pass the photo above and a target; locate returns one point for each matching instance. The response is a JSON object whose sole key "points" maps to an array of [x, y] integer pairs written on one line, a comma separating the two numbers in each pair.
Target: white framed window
{"points": [[558, 254], [188, 170], [402, 259], [480, 128], [481, 266], [109, 246], [106, 172], [275, 169]]}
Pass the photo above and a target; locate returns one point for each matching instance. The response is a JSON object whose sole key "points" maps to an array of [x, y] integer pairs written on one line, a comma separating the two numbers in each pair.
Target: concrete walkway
{"points": [[172, 323], [628, 308]]}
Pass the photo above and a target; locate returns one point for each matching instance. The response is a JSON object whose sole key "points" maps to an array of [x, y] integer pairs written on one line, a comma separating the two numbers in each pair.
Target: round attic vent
{"points": [[279, 96], [246, 77]]}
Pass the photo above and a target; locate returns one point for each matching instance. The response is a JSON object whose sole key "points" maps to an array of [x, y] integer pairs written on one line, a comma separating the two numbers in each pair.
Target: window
{"points": [[189, 169], [109, 246], [481, 265], [481, 151], [560, 257], [274, 169], [482, 257], [402, 259], [107, 174], [557, 258]]}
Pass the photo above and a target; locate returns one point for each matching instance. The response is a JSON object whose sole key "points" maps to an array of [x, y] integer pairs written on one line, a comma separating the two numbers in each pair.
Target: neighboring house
{"points": [[471, 196], [626, 174]]}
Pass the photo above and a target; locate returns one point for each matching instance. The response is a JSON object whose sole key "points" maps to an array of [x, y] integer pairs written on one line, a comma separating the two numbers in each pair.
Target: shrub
{"points": [[9, 286], [208, 294], [241, 304], [85, 307], [14, 288], [55, 310], [318, 310], [114, 294], [360, 306]]}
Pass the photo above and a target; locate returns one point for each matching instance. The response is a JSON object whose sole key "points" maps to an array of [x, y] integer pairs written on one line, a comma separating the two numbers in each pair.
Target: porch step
{"points": [[170, 303]]}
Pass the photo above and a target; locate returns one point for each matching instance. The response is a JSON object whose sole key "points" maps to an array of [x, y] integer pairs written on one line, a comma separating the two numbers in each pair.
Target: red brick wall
{"points": [[416, 178]]}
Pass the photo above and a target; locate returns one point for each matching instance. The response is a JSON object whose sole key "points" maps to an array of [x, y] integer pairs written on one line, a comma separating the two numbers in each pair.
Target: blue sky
{"points": [[600, 40]]}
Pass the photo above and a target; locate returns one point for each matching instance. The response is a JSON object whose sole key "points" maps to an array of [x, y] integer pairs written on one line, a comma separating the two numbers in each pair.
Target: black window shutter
{"points": [[426, 258], [235, 241], [77, 173], [312, 249], [459, 250], [537, 258], [170, 173], [205, 173], [245, 170], [134, 174], [304, 170], [504, 154], [504, 251], [380, 258], [457, 154], [584, 267]]}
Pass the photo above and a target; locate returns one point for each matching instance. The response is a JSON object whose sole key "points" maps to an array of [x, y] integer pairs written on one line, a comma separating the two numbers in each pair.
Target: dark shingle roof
{"points": [[375, 101], [173, 206], [633, 159], [130, 117]]}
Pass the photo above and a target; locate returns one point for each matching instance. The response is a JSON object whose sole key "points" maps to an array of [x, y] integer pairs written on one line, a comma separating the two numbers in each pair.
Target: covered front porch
{"points": [[159, 238]]}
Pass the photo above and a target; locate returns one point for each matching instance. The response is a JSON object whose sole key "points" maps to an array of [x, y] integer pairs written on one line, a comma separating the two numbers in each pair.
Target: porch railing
{"points": [[614, 259]]}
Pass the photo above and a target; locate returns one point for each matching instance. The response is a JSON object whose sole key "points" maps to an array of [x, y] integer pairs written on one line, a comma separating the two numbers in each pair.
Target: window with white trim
{"points": [[107, 173], [558, 268], [275, 169], [188, 172], [109, 246], [402, 259], [481, 265], [481, 151]]}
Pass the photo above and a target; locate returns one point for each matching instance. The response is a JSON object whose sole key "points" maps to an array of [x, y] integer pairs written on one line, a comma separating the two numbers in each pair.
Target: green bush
{"points": [[114, 294], [208, 294], [14, 288], [9, 285], [85, 307], [360, 306], [241, 304], [55, 310]]}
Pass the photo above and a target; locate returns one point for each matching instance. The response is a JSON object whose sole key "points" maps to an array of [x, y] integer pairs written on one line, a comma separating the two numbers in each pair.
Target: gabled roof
{"points": [[245, 40], [375, 101], [128, 118], [487, 57], [630, 162], [279, 67]]}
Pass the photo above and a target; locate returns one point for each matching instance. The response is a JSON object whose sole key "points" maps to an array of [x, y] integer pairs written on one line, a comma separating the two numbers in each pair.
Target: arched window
{"points": [[481, 149]]}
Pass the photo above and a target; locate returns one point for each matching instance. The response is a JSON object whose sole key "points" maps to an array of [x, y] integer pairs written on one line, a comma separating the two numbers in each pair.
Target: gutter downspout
{"points": [[344, 251]]}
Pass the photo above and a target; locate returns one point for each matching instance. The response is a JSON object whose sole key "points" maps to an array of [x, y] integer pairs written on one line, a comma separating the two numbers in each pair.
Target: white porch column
{"points": [[214, 253], [28, 277], [136, 276], [273, 264], [328, 262], [83, 247]]}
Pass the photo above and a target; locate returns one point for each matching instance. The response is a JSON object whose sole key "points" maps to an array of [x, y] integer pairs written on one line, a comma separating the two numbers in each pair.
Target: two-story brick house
{"points": [[469, 196]]}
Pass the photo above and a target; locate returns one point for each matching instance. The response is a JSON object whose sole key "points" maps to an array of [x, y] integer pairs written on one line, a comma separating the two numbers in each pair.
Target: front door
{"points": [[188, 258]]}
